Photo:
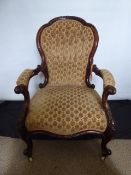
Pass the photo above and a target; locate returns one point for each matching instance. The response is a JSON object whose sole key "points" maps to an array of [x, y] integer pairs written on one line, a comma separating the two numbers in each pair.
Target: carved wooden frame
{"points": [[108, 90]]}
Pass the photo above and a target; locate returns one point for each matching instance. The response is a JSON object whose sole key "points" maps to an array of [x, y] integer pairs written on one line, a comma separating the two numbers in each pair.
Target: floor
{"points": [[64, 157]]}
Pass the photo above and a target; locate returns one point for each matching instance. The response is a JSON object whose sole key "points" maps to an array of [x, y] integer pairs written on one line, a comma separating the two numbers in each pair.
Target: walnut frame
{"points": [[108, 90]]}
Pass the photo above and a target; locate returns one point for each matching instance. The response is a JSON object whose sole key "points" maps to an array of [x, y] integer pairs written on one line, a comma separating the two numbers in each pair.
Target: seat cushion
{"points": [[66, 110]]}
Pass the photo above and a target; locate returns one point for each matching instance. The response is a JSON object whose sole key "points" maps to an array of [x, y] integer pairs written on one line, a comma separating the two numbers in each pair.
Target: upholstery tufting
{"points": [[66, 110]]}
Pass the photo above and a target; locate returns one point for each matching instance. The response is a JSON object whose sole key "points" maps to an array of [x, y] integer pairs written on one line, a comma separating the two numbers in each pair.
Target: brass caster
{"points": [[103, 158], [30, 159]]}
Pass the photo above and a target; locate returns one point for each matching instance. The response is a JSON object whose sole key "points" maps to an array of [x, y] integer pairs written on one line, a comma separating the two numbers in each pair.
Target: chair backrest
{"points": [[67, 46]]}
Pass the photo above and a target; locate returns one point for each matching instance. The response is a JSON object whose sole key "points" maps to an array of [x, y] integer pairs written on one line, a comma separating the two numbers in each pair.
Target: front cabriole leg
{"points": [[106, 137], [27, 139], [111, 126], [22, 89]]}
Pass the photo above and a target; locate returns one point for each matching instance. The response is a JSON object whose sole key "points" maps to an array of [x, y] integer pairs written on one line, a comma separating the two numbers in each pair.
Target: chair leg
{"points": [[28, 151], [107, 136], [105, 151], [28, 140]]}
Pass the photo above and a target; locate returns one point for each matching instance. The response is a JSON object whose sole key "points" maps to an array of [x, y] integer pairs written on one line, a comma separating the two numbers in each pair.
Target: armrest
{"points": [[108, 89], [22, 84], [23, 80], [108, 84], [108, 79], [24, 77], [27, 74]]}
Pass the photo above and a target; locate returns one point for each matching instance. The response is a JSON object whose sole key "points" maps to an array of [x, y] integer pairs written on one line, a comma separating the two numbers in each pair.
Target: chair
{"points": [[67, 105]]}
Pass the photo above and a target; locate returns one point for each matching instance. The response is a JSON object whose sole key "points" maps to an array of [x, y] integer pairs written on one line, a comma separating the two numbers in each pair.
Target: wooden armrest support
{"points": [[27, 74], [23, 88], [108, 89]]}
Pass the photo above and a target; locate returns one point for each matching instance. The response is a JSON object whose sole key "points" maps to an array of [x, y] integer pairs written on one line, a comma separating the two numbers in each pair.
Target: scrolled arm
{"points": [[107, 77], [24, 77], [22, 89], [108, 83], [22, 84], [108, 90]]}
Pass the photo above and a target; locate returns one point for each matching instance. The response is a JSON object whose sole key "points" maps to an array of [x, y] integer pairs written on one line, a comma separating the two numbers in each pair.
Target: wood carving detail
{"points": [[108, 90], [111, 127]]}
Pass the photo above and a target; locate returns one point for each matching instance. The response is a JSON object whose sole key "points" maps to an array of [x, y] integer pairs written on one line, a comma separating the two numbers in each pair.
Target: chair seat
{"points": [[66, 110]]}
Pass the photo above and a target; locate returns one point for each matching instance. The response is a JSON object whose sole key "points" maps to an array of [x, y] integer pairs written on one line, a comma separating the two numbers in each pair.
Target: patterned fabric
{"points": [[66, 110], [67, 45], [24, 77], [108, 78]]}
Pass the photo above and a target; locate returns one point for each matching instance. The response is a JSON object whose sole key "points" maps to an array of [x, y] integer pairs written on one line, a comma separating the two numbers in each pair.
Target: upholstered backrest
{"points": [[66, 44]]}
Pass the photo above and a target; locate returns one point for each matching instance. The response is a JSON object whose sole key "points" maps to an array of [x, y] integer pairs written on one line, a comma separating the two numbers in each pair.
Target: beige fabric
{"points": [[61, 157], [24, 77], [66, 110], [107, 78], [67, 45]]}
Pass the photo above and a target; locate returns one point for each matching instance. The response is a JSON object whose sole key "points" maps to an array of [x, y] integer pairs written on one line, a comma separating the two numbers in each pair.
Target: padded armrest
{"points": [[108, 79], [24, 77]]}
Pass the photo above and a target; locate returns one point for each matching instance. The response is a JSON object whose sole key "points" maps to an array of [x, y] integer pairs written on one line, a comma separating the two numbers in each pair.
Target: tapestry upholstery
{"points": [[66, 110], [66, 106], [67, 45], [108, 78], [24, 77]]}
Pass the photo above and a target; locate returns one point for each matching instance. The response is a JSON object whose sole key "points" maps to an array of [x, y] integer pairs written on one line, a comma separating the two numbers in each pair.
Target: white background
{"points": [[20, 20]]}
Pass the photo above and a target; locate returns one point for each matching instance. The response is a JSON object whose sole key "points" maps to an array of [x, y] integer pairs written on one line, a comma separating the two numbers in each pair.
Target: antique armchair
{"points": [[66, 105]]}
